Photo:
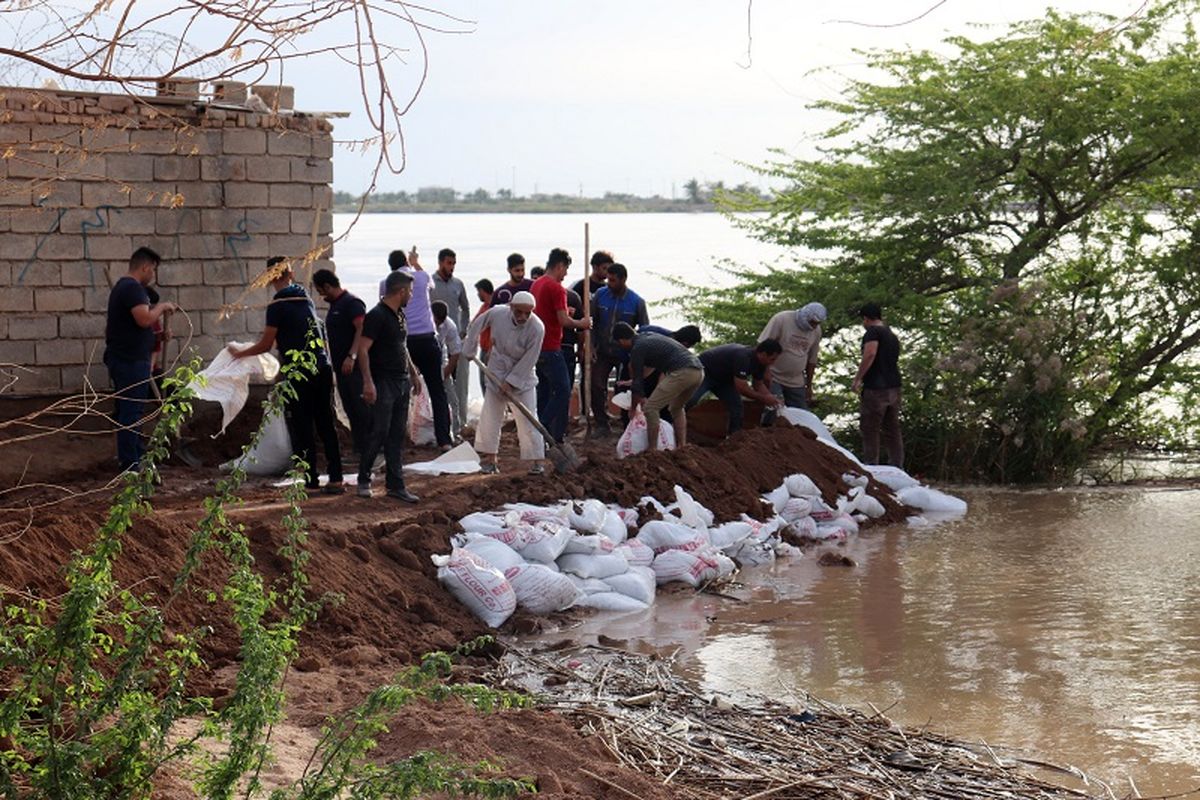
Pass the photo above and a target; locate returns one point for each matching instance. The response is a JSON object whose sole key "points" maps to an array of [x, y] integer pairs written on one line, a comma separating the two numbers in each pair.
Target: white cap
{"points": [[522, 299]]}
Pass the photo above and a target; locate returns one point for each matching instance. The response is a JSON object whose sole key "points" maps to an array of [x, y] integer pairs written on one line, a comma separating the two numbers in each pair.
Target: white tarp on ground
{"points": [[459, 461], [227, 380]]}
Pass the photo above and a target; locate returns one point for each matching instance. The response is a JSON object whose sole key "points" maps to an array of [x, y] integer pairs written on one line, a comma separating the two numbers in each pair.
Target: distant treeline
{"points": [[443, 199]]}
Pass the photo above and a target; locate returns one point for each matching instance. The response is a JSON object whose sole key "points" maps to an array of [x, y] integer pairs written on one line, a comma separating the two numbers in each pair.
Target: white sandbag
{"points": [[481, 522], [725, 564], [868, 505], [623, 400], [611, 601], [892, 477], [593, 566], [729, 534], [477, 585], [588, 516], [650, 502], [693, 567], [796, 508], [587, 585], [494, 552], [614, 526], [751, 553], [273, 453], [542, 541], [636, 552], [785, 550], [592, 544], [510, 536], [807, 419], [854, 479], [420, 418], [927, 499], [660, 535], [778, 497], [226, 380], [763, 529], [691, 512], [638, 583], [821, 512], [628, 515], [633, 440], [541, 589], [527, 512], [800, 485], [803, 528]]}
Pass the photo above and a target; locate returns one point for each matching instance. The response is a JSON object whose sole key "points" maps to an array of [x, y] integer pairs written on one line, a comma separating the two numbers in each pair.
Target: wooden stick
{"points": [[585, 385]]}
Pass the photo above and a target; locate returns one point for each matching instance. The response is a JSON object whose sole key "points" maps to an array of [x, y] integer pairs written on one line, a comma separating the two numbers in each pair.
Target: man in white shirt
{"points": [[799, 332]]}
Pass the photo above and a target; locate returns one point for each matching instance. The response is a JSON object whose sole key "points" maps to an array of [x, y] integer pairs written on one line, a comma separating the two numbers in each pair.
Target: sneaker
{"points": [[537, 469], [336, 488], [446, 448], [402, 495], [489, 468], [364, 490]]}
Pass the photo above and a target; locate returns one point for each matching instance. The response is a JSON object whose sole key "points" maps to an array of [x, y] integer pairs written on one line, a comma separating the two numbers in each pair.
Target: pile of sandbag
{"points": [[550, 558]]}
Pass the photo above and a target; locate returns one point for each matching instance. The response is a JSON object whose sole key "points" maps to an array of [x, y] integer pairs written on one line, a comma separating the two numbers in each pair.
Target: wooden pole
{"points": [[585, 394]]}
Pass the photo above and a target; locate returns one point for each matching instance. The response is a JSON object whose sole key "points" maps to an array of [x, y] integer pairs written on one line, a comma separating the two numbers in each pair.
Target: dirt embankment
{"points": [[375, 555]]}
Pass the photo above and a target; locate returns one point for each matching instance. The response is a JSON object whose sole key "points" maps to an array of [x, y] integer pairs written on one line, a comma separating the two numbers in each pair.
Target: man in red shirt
{"points": [[554, 386]]}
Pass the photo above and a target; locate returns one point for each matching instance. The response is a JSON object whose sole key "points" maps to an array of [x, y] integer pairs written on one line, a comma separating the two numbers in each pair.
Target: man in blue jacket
{"points": [[613, 304]]}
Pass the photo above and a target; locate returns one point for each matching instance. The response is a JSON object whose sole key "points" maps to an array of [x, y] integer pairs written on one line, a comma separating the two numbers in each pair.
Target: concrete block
{"points": [[302, 222], [244, 141], [269, 220], [290, 244], [223, 221], [176, 168], [322, 197], [82, 326], [33, 327], [312, 170], [118, 103], [95, 300], [200, 142], [60, 193], [42, 380], [59, 351], [105, 140], [289, 143], [16, 193], [172, 221], [77, 220], [252, 248], [223, 168], [180, 272], [150, 195], [3, 327], [291, 195], [108, 247], [58, 299], [227, 273], [277, 97], [199, 194], [61, 247], [18, 352], [247, 195], [54, 138], [233, 92], [201, 245], [134, 167], [159, 141], [79, 376], [85, 275], [322, 146], [188, 88], [105, 194], [201, 298], [27, 164], [132, 221], [212, 324], [14, 134], [39, 273], [35, 220], [270, 169]]}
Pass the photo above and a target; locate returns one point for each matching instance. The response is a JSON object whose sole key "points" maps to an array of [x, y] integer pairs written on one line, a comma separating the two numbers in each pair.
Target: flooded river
{"points": [[1062, 625]]}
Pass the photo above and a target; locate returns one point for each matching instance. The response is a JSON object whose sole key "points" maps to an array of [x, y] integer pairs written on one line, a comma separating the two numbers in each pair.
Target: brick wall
{"points": [[85, 179]]}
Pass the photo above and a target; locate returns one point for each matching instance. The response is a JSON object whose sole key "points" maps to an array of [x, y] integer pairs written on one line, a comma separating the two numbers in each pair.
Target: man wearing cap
{"points": [[384, 363], [292, 328], [799, 333], [553, 381], [517, 336], [129, 341], [680, 373]]}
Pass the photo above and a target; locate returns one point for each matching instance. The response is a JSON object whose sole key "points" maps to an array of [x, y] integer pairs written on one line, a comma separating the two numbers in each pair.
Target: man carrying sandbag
{"points": [[516, 344], [680, 374]]}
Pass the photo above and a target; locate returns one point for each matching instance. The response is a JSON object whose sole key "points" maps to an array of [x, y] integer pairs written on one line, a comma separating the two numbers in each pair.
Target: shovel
{"points": [[562, 456]]}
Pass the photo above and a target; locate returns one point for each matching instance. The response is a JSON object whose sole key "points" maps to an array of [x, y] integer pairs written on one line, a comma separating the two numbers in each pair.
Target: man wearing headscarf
{"points": [[799, 332], [516, 344]]}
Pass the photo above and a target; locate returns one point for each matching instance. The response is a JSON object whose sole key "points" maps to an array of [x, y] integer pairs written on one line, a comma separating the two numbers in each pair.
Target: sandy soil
{"points": [[375, 553]]}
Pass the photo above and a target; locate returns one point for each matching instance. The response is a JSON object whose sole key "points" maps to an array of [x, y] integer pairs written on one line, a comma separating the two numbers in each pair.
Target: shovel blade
{"points": [[564, 458]]}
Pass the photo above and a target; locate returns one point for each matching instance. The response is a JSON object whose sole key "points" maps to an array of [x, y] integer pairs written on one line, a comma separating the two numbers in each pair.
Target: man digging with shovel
{"points": [[516, 343]]}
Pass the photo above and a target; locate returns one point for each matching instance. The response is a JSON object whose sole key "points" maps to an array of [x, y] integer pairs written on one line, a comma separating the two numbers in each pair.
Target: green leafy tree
{"points": [[1025, 210]]}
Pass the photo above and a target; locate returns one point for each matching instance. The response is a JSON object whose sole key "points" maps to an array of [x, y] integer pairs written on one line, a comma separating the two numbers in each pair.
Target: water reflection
{"points": [[1060, 623]]}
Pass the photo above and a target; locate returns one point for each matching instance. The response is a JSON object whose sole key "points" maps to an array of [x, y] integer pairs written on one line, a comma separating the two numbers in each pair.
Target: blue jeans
{"points": [[389, 426], [792, 396], [553, 393], [131, 383], [727, 393]]}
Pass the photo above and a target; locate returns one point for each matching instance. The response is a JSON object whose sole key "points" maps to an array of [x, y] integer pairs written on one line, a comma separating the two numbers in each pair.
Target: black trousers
{"points": [[313, 408], [427, 356], [350, 390], [389, 426]]}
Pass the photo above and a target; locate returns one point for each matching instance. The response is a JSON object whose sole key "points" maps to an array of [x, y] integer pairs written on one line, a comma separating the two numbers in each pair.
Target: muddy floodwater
{"points": [[1062, 625]]}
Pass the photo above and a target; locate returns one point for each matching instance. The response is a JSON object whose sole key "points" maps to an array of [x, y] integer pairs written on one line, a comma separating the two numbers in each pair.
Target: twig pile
{"points": [[706, 747]]}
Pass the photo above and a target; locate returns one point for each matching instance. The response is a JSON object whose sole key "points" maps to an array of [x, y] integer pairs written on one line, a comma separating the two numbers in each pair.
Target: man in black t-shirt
{"points": [[729, 371], [292, 326], [384, 363], [878, 380], [343, 326], [129, 342]]}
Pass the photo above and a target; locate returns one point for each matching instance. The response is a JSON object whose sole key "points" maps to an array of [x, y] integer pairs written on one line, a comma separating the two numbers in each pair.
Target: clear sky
{"points": [[635, 95]]}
